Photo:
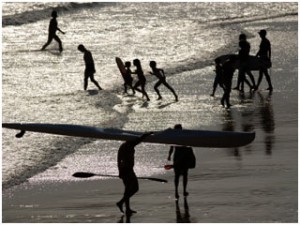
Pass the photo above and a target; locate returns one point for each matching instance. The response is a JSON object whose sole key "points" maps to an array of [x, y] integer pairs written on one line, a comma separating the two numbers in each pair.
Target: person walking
{"points": [[53, 27], [126, 172], [183, 160], [128, 78], [264, 54], [160, 74], [89, 67]]}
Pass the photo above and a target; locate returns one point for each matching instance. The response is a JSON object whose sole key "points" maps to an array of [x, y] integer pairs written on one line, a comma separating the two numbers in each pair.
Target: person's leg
{"points": [[56, 38], [268, 78], [185, 182], [85, 82], [50, 38], [176, 182], [171, 89], [144, 91], [156, 89], [95, 82]]}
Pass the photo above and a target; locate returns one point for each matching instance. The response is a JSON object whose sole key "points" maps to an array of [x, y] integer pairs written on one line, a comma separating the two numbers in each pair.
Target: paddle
{"points": [[87, 175]]}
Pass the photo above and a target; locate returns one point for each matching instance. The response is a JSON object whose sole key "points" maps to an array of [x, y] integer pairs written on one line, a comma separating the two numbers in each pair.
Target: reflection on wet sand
{"points": [[182, 217]]}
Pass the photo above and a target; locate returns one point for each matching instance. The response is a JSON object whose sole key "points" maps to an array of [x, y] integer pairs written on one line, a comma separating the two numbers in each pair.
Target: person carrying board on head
{"points": [[183, 160], [160, 74], [89, 67], [126, 173], [53, 27]]}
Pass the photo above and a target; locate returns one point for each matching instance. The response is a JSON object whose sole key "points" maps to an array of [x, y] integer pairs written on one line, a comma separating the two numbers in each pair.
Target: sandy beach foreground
{"points": [[256, 183]]}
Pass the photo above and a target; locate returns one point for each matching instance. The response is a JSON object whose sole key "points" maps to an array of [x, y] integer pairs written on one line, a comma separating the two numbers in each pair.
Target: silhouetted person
{"points": [[141, 79], [183, 160], [264, 54], [89, 67], [126, 172], [244, 53], [127, 78], [160, 74], [227, 71], [217, 80], [53, 27]]}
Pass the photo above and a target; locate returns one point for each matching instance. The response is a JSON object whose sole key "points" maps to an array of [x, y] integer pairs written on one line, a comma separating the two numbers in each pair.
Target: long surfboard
{"points": [[121, 66], [195, 138]]}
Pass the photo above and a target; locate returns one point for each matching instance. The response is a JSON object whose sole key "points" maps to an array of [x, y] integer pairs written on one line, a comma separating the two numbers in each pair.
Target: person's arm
{"points": [[170, 153], [60, 30]]}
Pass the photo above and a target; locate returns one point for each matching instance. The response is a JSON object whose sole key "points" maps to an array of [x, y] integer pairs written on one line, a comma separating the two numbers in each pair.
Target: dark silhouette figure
{"points": [[126, 172], [160, 74], [227, 71], [127, 78], [185, 218], [217, 81], [89, 67], [243, 57], [264, 54], [183, 160], [141, 79], [53, 27]]}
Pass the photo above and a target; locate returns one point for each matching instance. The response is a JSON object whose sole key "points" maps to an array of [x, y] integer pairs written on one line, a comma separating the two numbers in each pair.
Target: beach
{"points": [[251, 184]]}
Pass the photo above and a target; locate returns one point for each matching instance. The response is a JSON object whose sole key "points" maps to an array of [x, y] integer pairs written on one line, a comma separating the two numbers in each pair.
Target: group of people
{"points": [[128, 80], [225, 69], [183, 160], [159, 73]]}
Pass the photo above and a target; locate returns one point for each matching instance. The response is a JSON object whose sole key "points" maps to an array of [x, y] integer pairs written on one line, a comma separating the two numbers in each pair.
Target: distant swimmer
{"points": [[160, 74], [183, 160], [89, 67], [264, 54], [141, 79], [227, 71], [53, 27], [128, 78], [126, 173]]}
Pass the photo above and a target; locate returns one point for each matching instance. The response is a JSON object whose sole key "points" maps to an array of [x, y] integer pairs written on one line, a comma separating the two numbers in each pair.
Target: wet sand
{"points": [[257, 183]]}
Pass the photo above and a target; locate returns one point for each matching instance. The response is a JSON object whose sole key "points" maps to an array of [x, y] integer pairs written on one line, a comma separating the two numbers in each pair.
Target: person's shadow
{"points": [[125, 218], [182, 217]]}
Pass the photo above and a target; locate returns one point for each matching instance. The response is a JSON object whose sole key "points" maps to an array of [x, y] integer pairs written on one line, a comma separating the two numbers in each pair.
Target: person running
{"points": [[53, 27], [160, 74], [264, 54], [183, 160], [227, 71], [127, 78], [141, 79], [89, 67], [126, 172]]}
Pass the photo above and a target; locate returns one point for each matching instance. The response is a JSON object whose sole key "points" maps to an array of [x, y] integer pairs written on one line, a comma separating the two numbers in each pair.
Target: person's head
{"points": [[262, 33], [178, 127], [81, 48], [54, 14], [136, 62], [242, 37], [152, 64], [127, 64]]}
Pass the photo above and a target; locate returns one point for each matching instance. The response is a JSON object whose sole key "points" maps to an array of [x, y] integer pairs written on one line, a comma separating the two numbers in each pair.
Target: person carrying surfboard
{"points": [[127, 78], [126, 172], [53, 27], [183, 160], [160, 74], [89, 67], [141, 79]]}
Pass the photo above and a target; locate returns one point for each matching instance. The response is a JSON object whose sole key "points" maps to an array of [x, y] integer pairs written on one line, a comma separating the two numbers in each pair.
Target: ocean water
{"points": [[184, 39]]}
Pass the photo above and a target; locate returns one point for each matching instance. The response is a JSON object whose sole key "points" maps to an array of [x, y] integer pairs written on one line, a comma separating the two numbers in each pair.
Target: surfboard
{"points": [[194, 138], [253, 63], [121, 66]]}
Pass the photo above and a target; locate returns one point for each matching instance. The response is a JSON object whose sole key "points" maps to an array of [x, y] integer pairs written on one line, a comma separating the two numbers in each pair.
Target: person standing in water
{"points": [[89, 67], [126, 173], [160, 74], [141, 79], [183, 160], [264, 54], [53, 27]]}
